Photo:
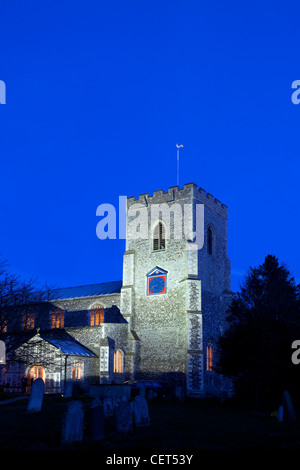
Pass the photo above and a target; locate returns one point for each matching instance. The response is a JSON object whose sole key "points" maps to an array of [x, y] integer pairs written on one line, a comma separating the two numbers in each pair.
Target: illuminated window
{"points": [[77, 370], [36, 372], [209, 241], [209, 356], [3, 325], [57, 318], [28, 321], [2, 353], [97, 315], [159, 242], [118, 361]]}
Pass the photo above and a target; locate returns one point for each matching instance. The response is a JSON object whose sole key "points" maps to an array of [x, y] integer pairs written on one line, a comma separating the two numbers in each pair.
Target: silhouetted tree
{"points": [[18, 299], [263, 321]]}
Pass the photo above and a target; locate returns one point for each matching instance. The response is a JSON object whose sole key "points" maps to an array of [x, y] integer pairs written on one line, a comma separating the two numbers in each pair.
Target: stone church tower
{"points": [[162, 321], [176, 286]]}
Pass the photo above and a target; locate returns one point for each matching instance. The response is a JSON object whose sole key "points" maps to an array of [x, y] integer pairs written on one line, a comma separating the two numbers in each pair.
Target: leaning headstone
{"points": [[108, 406], [288, 405], [72, 427], [96, 402], [140, 411], [150, 395], [97, 421], [68, 389], [124, 417], [179, 393], [280, 414], [36, 396]]}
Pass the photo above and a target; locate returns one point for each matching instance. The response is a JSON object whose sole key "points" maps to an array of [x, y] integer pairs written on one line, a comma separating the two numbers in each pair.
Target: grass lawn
{"points": [[175, 428]]}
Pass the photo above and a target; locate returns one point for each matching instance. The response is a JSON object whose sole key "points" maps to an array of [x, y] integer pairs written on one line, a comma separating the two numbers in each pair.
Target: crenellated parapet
{"points": [[176, 194]]}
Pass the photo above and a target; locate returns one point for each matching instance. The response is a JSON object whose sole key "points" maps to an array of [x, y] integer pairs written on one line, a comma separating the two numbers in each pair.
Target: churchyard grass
{"points": [[175, 427]]}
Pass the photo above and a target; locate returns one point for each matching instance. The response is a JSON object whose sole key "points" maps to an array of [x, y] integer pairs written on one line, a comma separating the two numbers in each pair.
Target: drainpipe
{"points": [[66, 359]]}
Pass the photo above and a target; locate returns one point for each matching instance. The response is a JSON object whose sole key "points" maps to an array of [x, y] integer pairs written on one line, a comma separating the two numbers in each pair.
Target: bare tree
{"points": [[24, 306]]}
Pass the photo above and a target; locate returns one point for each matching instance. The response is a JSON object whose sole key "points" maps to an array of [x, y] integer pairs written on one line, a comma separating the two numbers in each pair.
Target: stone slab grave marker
{"points": [[179, 393], [72, 426], [140, 409], [36, 396], [150, 395], [68, 389], [96, 418], [108, 406], [288, 405], [124, 417], [280, 413]]}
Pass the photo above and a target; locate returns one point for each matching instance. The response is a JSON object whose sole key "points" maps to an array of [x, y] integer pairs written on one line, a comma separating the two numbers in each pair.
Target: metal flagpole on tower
{"points": [[178, 147]]}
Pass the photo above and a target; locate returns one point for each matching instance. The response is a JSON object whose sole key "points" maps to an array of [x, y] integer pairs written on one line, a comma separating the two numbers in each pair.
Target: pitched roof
{"points": [[66, 343], [92, 290]]}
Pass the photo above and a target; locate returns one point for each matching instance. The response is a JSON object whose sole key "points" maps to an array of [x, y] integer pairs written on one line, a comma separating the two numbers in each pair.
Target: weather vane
{"points": [[178, 146]]}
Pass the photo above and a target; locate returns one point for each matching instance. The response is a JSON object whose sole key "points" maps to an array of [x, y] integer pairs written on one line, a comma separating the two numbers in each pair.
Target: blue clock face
{"points": [[157, 285]]}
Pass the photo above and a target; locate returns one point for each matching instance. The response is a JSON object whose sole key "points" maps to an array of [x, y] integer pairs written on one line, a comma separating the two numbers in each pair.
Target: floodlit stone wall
{"points": [[174, 327]]}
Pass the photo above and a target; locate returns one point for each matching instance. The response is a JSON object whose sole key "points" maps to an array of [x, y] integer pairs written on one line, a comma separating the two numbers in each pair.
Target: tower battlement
{"points": [[175, 193]]}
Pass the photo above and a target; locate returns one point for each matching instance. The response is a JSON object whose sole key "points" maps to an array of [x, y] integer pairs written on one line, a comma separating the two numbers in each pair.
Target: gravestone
{"points": [[72, 426], [68, 389], [179, 393], [108, 406], [288, 405], [36, 396], [280, 413], [96, 415], [140, 411], [124, 417], [150, 395]]}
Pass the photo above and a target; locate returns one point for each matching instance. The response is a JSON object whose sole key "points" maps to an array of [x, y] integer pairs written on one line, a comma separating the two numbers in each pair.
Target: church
{"points": [[161, 321]]}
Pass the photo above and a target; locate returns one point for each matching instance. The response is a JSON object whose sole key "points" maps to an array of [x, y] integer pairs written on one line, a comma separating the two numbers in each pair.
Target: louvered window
{"points": [[159, 242]]}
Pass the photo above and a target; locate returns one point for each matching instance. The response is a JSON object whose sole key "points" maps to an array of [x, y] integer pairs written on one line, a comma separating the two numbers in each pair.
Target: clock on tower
{"points": [[156, 281]]}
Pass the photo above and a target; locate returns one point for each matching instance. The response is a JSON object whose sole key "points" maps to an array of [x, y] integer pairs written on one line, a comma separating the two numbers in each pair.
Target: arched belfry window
{"points": [[210, 240], [159, 240]]}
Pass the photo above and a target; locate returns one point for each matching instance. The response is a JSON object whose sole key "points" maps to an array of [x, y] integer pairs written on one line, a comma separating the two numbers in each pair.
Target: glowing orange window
{"points": [[37, 372], [28, 321], [77, 370], [97, 315], [3, 325], [209, 356], [57, 318], [118, 362]]}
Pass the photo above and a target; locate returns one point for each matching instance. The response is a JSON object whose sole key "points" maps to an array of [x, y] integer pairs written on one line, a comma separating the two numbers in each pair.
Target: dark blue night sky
{"points": [[98, 95]]}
